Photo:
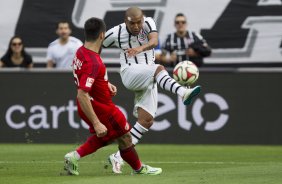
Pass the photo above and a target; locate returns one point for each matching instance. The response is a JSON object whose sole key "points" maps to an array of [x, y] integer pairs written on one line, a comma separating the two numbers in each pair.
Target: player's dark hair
{"points": [[179, 15], [63, 22], [93, 27]]}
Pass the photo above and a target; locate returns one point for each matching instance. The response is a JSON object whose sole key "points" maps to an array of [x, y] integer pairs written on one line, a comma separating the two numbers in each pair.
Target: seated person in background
{"points": [[61, 51], [184, 45], [158, 54], [16, 55]]}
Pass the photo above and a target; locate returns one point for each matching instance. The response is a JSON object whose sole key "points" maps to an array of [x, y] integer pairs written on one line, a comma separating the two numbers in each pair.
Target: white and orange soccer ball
{"points": [[186, 73]]}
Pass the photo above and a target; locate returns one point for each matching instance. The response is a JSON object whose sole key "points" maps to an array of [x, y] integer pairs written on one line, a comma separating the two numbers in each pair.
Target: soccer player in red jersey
{"points": [[94, 92]]}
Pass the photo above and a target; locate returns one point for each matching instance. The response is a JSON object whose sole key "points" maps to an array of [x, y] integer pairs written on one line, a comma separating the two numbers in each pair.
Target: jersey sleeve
{"points": [[86, 82], [85, 69], [150, 25], [110, 37], [88, 75]]}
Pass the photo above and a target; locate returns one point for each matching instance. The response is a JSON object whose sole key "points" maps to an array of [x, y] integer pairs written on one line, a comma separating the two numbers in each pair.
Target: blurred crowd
{"points": [[180, 45]]}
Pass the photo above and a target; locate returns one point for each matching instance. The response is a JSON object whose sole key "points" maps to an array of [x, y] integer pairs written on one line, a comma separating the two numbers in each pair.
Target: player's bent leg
{"points": [[115, 159], [130, 155], [71, 159], [145, 119], [158, 70], [92, 144], [125, 141], [128, 152], [169, 84]]}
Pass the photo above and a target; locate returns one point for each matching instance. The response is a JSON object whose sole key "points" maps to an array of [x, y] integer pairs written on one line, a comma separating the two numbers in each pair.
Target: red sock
{"points": [[90, 146], [131, 157]]}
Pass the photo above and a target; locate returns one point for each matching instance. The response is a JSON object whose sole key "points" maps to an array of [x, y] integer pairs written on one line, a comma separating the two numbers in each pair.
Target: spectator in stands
{"points": [[16, 56], [184, 45], [60, 52], [158, 53]]}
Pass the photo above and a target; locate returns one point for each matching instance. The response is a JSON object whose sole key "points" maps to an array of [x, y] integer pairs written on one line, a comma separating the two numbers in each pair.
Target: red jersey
{"points": [[90, 75]]}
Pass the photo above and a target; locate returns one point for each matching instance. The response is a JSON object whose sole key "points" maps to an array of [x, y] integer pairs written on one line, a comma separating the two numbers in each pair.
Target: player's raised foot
{"points": [[71, 164], [148, 170], [190, 93], [116, 163]]}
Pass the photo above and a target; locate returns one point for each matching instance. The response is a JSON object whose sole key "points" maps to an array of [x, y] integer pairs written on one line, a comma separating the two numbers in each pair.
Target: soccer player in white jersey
{"points": [[60, 52], [136, 38]]}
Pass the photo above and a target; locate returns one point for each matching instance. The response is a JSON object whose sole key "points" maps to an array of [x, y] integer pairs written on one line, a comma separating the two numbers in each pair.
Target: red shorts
{"points": [[111, 117]]}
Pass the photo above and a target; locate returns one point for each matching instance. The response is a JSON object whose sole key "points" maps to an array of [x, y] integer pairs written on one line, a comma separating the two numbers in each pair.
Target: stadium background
{"points": [[241, 98]]}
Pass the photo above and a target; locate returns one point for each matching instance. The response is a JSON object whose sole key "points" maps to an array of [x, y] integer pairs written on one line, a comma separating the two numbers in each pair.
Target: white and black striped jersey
{"points": [[174, 43], [120, 37]]}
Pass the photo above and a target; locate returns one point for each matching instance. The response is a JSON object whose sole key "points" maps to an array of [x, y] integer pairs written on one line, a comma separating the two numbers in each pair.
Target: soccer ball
{"points": [[186, 73]]}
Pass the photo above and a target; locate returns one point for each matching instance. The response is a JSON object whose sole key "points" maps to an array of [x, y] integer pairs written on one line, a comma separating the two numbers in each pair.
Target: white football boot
{"points": [[116, 162], [190, 94]]}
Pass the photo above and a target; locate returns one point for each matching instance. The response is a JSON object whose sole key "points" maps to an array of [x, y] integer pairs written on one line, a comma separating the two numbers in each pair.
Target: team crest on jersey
{"points": [[142, 36]]}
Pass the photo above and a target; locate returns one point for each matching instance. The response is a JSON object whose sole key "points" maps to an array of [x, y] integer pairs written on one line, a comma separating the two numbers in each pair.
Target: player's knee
{"points": [[146, 122], [149, 124], [144, 118], [159, 69], [125, 141]]}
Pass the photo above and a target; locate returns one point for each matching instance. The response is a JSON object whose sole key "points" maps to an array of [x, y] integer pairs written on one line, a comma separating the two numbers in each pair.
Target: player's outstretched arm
{"points": [[85, 104], [152, 43]]}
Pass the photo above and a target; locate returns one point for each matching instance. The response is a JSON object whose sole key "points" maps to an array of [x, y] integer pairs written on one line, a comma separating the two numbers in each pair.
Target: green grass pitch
{"points": [[201, 164]]}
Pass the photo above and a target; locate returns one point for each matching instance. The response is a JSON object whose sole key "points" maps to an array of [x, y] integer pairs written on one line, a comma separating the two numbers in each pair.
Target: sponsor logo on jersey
{"points": [[89, 82]]}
